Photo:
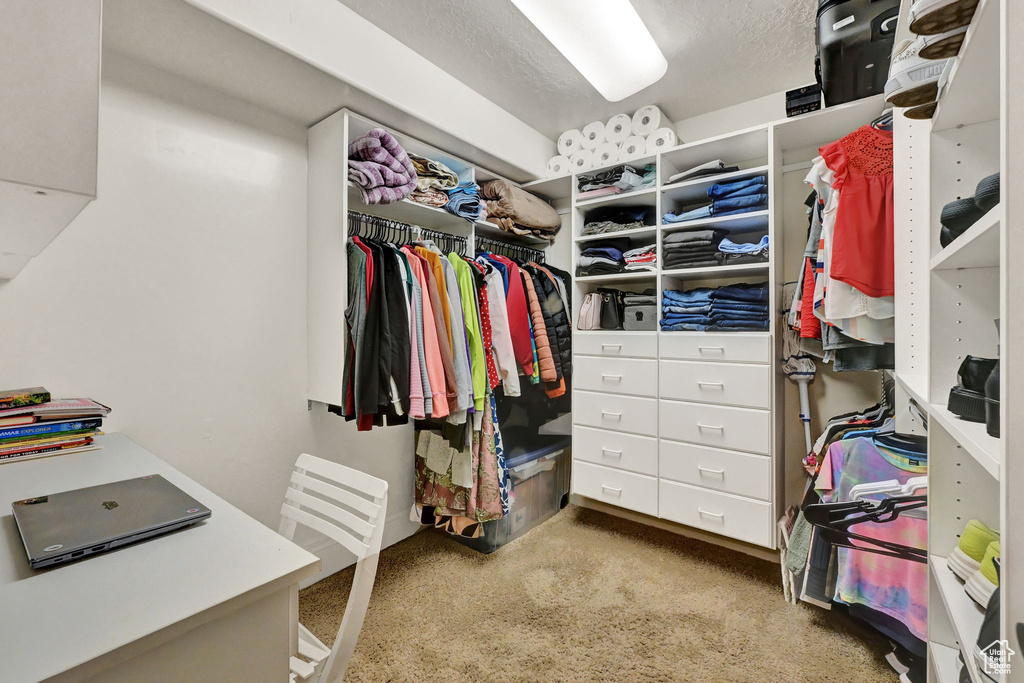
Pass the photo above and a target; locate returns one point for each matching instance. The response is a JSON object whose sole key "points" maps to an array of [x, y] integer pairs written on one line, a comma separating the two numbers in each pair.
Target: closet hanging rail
{"points": [[396, 232], [514, 251]]}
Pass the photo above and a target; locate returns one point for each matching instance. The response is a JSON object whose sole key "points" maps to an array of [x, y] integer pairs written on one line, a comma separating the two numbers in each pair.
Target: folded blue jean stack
{"points": [[728, 199], [741, 307]]}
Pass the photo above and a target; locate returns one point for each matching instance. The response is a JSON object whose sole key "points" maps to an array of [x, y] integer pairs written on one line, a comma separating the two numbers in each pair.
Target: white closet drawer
{"points": [[618, 413], [624, 489], [616, 375], [628, 344], [741, 429], [721, 513], [737, 347], [713, 468], [729, 384], [622, 451]]}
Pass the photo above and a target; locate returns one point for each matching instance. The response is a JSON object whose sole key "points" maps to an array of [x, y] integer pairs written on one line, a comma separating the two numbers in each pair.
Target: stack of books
{"points": [[33, 424]]}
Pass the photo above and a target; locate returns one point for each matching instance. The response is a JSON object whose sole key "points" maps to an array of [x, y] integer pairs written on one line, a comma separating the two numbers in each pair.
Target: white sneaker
{"points": [[929, 17], [913, 79], [943, 45]]}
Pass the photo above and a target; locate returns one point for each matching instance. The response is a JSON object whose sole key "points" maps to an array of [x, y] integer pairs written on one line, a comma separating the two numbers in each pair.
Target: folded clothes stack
{"points": [[641, 258], [620, 179], [464, 201], [607, 219], [380, 168], [692, 248], [434, 179], [742, 307], [716, 167], [727, 199], [734, 254], [519, 212]]}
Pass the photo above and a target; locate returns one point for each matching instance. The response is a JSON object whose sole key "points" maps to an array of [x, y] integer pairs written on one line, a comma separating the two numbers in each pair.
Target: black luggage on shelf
{"points": [[855, 41]]}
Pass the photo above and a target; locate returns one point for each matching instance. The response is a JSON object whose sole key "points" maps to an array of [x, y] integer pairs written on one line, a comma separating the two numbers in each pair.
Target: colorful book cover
{"points": [[49, 428], [68, 445], [70, 406], [62, 436], [17, 420], [16, 398]]}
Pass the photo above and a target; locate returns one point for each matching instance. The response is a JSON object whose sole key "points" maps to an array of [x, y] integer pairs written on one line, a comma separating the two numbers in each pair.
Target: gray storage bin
{"points": [[640, 318]]}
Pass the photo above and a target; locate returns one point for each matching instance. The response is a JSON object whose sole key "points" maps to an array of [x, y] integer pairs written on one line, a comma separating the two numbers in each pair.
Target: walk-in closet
{"points": [[608, 340]]}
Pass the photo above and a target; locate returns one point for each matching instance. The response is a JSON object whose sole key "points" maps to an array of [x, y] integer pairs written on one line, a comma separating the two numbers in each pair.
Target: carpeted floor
{"points": [[589, 597]]}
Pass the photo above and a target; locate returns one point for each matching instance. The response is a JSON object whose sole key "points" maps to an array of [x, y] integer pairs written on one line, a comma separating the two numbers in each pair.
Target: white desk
{"points": [[215, 602]]}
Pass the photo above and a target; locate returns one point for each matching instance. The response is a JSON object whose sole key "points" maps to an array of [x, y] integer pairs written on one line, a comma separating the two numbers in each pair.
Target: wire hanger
{"points": [[884, 121]]}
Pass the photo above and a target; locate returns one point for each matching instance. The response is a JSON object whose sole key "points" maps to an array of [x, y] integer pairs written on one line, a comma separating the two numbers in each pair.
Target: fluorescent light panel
{"points": [[605, 40]]}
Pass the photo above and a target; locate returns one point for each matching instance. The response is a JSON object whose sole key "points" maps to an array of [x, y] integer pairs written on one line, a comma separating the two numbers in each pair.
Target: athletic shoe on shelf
{"points": [[983, 582], [943, 45], [922, 113], [967, 556], [986, 196], [929, 17], [913, 79]]}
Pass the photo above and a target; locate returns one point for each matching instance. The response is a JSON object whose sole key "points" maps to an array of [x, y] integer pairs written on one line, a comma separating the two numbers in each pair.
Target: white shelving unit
{"points": [[332, 196]]}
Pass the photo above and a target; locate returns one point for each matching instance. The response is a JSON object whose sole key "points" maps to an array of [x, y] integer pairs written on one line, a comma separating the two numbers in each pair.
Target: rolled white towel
{"points": [[559, 166], [648, 119], [593, 134], [570, 141], [582, 160], [632, 147], [618, 128], [660, 140]]}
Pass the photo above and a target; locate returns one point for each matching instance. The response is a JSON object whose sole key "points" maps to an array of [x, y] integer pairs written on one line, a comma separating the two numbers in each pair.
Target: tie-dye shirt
{"points": [[893, 586]]}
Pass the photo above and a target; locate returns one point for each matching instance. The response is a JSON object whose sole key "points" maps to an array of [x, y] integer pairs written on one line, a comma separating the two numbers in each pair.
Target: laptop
{"points": [[67, 526]]}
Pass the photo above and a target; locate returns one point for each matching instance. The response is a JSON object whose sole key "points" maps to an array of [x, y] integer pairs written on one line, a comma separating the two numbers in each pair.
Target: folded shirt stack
{"points": [[734, 254], [716, 167], [433, 181], [620, 179], [600, 261], [691, 248], [742, 307], [464, 201], [727, 199], [641, 258], [607, 219]]}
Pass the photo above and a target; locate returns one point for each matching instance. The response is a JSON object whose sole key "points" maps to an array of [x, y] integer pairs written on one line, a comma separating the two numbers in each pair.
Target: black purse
{"points": [[612, 309]]}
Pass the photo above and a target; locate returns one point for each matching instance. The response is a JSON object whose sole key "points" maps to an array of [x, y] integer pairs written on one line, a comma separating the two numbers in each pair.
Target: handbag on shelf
{"points": [[612, 309], [590, 312]]}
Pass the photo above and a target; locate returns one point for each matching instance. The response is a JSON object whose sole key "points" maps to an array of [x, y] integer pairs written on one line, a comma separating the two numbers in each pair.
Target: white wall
{"points": [[737, 117], [178, 297]]}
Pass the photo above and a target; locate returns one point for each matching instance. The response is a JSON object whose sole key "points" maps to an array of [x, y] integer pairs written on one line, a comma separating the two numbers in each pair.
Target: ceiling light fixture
{"points": [[606, 41]]}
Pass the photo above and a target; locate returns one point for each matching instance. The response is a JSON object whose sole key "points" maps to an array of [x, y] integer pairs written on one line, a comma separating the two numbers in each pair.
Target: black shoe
{"points": [[960, 215], [989, 634], [967, 398], [987, 195], [992, 402]]}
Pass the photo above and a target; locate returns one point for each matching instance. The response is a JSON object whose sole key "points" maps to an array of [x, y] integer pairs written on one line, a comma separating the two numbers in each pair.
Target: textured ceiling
{"points": [[720, 53]]}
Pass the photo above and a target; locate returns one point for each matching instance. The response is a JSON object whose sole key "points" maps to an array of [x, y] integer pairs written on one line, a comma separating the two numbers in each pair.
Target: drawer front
{"points": [[615, 487], [713, 468], [741, 429], [628, 344], [740, 518], [736, 347], [622, 451], [616, 375], [618, 413], [730, 384]]}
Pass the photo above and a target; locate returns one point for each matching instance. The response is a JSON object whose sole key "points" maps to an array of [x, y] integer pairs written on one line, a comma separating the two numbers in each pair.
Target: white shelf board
{"points": [[976, 248], [692, 191], [972, 437], [916, 386], [716, 271], [742, 222], [650, 230], [620, 277], [643, 333], [413, 213], [945, 663], [552, 189], [972, 92], [494, 232], [827, 125], [731, 148], [964, 614], [645, 197]]}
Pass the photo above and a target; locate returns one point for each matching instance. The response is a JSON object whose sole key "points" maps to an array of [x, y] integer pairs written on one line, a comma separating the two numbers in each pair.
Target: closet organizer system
{"points": [[688, 425]]}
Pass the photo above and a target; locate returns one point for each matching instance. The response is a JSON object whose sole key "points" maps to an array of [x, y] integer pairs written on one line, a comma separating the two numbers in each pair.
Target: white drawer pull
{"points": [[617, 378], [702, 511], [606, 413], [611, 346], [612, 489], [719, 349], [705, 469], [720, 385], [609, 451], [716, 428]]}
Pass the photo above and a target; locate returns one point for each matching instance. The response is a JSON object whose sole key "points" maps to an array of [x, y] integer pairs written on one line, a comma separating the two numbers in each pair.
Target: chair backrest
{"points": [[349, 507]]}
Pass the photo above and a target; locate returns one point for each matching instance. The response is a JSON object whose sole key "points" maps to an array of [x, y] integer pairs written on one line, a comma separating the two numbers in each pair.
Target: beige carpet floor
{"points": [[589, 597]]}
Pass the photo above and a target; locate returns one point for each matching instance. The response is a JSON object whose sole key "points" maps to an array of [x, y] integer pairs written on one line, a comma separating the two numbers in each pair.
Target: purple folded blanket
{"points": [[380, 168]]}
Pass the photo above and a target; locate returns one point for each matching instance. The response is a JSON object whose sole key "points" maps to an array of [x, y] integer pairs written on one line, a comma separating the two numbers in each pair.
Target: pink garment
{"points": [[435, 368], [416, 407], [599, 192]]}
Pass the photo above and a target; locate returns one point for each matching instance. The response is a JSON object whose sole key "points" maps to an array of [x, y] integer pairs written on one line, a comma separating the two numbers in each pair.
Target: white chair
{"points": [[318, 488]]}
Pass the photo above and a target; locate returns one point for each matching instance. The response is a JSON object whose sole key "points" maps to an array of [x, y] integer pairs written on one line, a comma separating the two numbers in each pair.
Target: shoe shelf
{"points": [[717, 271], [945, 663], [690, 192], [978, 247], [971, 93], [965, 615], [649, 230]]}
